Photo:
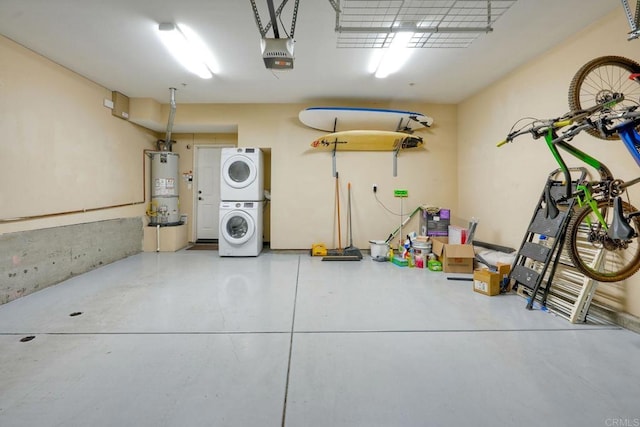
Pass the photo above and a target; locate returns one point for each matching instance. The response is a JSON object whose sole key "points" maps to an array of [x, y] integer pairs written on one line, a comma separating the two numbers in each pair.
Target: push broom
{"points": [[341, 254], [350, 250]]}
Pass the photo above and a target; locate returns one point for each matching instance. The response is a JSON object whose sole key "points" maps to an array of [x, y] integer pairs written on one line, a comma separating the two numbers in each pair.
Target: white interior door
{"points": [[207, 192]]}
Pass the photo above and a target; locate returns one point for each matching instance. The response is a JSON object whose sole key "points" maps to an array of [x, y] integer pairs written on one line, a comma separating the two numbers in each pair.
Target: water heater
{"points": [[164, 209]]}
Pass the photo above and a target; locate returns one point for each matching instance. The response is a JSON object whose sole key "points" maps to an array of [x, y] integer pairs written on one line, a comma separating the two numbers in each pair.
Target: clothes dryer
{"points": [[240, 231], [241, 174]]}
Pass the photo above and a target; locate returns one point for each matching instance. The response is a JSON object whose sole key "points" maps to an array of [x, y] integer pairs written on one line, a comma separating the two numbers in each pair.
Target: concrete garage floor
{"points": [[192, 339]]}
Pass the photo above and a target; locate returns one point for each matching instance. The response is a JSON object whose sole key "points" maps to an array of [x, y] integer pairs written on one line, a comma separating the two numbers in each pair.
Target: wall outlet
{"points": [[375, 188]]}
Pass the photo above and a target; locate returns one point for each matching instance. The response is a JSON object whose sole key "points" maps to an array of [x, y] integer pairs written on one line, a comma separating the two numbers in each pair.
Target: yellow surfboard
{"points": [[366, 140]]}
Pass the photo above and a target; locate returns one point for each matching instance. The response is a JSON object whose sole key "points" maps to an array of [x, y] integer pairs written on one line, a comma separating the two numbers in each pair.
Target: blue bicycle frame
{"points": [[630, 138]]}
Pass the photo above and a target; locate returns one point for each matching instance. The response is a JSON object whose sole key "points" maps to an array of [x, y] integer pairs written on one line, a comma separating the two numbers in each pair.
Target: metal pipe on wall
{"points": [[172, 114]]}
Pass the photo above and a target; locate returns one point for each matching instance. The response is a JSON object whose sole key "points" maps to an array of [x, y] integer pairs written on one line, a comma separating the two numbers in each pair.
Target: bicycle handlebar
{"points": [[538, 130], [611, 122], [580, 118]]}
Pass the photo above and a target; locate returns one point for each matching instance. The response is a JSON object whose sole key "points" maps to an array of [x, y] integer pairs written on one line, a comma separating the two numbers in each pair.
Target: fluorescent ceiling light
{"points": [[188, 49], [391, 59]]}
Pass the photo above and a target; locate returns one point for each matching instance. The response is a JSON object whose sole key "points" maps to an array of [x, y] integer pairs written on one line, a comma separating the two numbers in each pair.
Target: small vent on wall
{"points": [[120, 105]]}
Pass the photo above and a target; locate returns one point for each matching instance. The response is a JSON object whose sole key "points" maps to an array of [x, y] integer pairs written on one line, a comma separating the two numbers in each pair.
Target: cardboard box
{"points": [[434, 223], [503, 271], [454, 258], [443, 239], [487, 282]]}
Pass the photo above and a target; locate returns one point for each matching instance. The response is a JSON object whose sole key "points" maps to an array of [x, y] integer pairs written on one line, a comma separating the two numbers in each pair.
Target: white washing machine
{"points": [[241, 174], [240, 228]]}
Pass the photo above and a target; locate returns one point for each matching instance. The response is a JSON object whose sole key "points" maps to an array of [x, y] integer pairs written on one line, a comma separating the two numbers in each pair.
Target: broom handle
{"points": [[338, 205], [402, 224], [350, 243]]}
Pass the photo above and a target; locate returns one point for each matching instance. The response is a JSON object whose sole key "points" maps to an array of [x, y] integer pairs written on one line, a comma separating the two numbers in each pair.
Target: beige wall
{"points": [[302, 208], [303, 188], [71, 154], [502, 186], [62, 150]]}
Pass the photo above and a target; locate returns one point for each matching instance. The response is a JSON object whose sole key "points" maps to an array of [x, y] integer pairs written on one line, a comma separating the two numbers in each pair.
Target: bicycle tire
{"points": [[598, 80], [620, 260]]}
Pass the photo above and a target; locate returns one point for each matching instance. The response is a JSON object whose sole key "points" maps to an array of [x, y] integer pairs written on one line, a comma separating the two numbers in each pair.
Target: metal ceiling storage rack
{"points": [[434, 23], [633, 19], [544, 273]]}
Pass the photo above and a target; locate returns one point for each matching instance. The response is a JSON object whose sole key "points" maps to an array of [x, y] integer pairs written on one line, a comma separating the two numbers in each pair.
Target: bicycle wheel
{"points": [[587, 242], [600, 80]]}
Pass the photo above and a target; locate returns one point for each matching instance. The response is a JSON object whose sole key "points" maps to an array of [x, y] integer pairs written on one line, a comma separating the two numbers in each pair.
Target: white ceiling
{"points": [[113, 43]]}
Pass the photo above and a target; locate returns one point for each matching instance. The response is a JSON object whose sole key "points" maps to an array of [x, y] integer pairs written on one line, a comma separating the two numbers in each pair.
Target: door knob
{"points": [[199, 198], [199, 191]]}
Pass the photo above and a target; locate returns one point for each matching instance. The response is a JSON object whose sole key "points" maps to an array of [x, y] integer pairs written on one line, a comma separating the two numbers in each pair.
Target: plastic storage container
{"points": [[379, 249]]}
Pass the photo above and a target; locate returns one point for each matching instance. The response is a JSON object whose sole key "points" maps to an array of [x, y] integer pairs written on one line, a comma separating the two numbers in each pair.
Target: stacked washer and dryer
{"points": [[242, 202]]}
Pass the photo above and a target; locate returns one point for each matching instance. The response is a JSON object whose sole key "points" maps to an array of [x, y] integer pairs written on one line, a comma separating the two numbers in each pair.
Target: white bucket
{"points": [[422, 247], [379, 248]]}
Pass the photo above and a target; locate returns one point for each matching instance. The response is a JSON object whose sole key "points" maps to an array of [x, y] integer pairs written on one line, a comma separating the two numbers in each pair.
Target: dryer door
{"points": [[237, 227], [239, 171]]}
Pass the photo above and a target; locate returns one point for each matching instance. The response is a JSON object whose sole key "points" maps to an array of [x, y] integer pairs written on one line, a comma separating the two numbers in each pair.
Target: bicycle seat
{"points": [[620, 228]]}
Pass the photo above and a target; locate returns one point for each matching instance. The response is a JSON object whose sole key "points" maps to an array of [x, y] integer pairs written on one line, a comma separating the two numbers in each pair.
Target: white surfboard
{"points": [[336, 119]]}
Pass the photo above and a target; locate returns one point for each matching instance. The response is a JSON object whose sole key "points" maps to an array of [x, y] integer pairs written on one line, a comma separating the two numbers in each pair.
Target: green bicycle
{"points": [[602, 235]]}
